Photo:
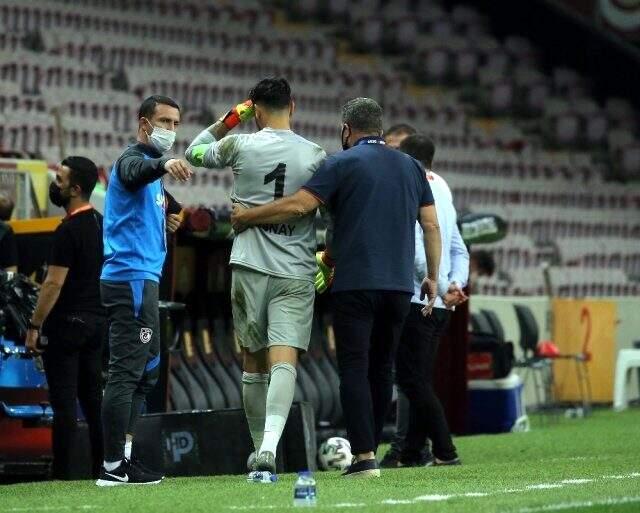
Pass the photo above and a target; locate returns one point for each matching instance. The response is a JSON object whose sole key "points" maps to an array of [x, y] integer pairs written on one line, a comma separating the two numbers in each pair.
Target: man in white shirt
{"points": [[418, 347]]}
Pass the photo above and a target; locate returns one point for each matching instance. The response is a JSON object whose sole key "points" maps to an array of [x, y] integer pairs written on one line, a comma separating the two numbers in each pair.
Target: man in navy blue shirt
{"points": [[374, 194], [137, 213]]}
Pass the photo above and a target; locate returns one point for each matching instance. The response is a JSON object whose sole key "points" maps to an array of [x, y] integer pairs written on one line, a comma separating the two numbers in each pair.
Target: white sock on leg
{"points": [[254, 398], [279, 398], [111, 465]]}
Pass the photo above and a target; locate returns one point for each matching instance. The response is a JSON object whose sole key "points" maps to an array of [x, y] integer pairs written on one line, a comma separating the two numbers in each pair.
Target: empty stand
{"points": [[513, 138]]}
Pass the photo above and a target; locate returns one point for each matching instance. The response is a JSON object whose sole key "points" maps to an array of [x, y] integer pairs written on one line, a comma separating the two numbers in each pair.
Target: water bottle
{"points": [[304, 491]]}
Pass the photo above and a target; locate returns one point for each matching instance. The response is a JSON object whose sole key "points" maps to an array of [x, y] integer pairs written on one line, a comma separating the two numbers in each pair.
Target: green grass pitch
{"points": [[572, 465]]}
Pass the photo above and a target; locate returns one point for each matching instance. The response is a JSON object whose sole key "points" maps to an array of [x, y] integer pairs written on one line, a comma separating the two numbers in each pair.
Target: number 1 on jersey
{"points": [[278, 175]]}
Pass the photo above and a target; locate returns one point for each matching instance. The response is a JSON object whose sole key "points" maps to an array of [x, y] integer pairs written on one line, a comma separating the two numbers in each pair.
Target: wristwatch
{"points": [[33, 326]]}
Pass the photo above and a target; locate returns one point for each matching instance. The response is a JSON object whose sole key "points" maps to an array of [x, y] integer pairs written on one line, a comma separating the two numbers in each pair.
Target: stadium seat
{"points": [[93, 63], [628, 359]]}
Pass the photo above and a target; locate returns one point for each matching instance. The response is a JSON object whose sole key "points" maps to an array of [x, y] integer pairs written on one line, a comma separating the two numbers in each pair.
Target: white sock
{"points": [[111, 465], [279, 398], [254, 398], [127, 449]]}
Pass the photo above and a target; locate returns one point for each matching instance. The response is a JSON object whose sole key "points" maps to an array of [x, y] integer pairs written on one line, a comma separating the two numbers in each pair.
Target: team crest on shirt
{"points": [[160, 199], [145, 335]]}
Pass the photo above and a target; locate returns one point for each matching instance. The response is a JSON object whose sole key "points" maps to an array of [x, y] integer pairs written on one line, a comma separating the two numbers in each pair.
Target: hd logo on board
{"points": [[179, 446]]}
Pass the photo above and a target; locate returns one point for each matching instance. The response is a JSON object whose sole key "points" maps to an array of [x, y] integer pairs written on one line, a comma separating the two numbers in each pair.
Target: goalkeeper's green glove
{"points": [[324, 277], [239, 114]]}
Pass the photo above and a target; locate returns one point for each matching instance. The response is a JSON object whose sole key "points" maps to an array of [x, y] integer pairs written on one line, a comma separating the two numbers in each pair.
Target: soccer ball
{"points": [[334, 454], [251, 460]]}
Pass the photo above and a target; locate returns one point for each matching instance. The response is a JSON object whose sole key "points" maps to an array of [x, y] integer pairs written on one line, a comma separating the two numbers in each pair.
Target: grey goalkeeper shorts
{"points": [[271, 311]]}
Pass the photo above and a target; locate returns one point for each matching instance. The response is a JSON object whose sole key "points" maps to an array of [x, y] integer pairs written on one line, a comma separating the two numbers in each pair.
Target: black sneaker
{"points": [[126, 474], [137, 463], [444, 463], [364, 468], [390, 460], [422, 458]]}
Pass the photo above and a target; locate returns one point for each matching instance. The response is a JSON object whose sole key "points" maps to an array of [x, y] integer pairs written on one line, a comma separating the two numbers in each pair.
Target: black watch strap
{"points": [[33, 326]]}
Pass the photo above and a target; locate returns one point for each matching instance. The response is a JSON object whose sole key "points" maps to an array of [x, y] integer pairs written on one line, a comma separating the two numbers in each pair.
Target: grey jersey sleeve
{"points": [[205, 151]]}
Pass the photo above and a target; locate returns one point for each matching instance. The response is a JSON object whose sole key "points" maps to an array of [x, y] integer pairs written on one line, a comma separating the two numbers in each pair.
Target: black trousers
{"points": [[402, 426], [415, 365], [134, 362], [367, 326], [73, 366]]}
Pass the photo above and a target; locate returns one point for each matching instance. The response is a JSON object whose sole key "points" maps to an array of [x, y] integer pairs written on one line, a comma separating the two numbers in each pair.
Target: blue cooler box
{"points": [[495, 405]]}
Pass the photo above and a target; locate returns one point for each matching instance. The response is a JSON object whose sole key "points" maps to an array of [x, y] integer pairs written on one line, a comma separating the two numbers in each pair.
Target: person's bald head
{"points": [[6, 206]]}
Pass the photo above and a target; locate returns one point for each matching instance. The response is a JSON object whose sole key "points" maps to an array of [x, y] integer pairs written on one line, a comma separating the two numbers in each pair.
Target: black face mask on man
{"points": [[57, 197], [345, 141]]}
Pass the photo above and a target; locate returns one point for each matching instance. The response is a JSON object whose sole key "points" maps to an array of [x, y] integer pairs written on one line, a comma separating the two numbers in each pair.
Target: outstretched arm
{"points": [[210, 148]]}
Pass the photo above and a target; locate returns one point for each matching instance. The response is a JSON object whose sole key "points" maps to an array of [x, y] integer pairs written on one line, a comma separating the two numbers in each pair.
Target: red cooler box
{"points": [[495, 405]]}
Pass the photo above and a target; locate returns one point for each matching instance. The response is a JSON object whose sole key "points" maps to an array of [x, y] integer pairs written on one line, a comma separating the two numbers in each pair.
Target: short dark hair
{"points": [[6, 206], [83, 173], [400, 128], [485, 263], [420, 147], [363, 115], [148, 106], [272, 93]]}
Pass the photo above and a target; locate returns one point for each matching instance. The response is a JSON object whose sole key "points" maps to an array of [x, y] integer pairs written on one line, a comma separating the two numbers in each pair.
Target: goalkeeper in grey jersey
{"points": [[274, 266]]}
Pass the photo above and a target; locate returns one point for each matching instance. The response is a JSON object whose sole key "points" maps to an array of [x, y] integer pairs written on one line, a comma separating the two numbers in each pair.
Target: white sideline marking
{"points": [[584, 504], [622, 476], [433, 498], [577, 458], [575, 482]]}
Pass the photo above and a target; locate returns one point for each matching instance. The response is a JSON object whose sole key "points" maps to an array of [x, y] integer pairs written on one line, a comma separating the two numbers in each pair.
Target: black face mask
{"points": [[345, 142], [56, 196]]}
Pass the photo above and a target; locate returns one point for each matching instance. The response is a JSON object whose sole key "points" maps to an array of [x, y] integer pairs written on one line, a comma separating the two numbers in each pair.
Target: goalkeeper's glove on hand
{"points": [[239, 114], [324, 277]]}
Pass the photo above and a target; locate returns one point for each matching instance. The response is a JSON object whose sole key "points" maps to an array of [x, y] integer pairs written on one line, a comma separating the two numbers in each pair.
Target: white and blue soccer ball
{"points": [[335, 454], [251, 460]]}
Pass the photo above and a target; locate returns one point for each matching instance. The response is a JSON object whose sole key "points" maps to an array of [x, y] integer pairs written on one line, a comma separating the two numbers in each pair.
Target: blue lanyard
{"points": [[370, 140]]}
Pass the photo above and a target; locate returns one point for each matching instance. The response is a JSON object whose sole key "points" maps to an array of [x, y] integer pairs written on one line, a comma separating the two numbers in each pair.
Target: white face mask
{"points": [[162, 139]]}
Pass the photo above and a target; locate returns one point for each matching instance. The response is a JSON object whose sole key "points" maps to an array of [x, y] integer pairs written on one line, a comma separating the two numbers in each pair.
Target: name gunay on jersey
{"points": [[268, 165], [279, 229]]}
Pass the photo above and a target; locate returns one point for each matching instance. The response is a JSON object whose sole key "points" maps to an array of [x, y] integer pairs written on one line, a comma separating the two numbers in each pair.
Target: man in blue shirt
{"points": [[137, 213], [375, 194]]}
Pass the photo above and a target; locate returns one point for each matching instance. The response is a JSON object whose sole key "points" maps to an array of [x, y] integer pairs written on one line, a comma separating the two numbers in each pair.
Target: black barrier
{"points": [[171, 327], [218, 442]]}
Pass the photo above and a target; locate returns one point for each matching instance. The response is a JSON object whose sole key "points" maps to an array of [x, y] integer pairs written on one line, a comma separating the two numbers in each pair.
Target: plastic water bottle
{"points": [[304, 491]]}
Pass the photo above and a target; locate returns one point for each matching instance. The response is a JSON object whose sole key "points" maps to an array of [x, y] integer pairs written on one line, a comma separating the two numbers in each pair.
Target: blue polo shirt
{"points": [[374, 194]]}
